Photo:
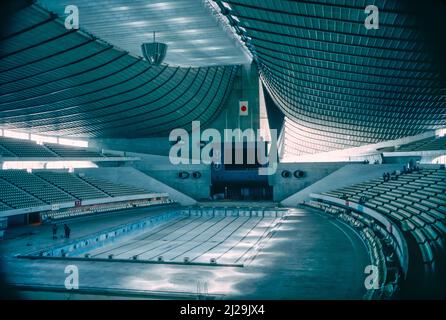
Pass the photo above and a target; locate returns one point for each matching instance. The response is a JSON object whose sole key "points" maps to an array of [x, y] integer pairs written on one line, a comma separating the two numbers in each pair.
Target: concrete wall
{"points": [[168, 174], [132, 177], [284, 187], [246, 88], [160, 168], [401, 159], [347, 175]]}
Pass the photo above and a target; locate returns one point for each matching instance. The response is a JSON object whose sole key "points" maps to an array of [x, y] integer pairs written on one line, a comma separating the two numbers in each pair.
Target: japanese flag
{"points": [[243, 108]]}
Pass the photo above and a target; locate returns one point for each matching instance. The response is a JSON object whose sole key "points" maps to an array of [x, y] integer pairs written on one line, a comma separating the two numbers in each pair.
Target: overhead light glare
{"points": [[226, 5], [161, 5], [122, 8]]}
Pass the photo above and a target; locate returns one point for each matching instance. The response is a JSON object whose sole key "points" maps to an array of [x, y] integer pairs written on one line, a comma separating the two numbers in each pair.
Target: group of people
{"points": [[386, 176], [410, 167], [67, 231]]}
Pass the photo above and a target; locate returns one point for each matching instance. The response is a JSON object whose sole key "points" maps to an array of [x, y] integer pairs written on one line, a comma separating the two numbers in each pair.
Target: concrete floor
{"points": [[308, 257]]}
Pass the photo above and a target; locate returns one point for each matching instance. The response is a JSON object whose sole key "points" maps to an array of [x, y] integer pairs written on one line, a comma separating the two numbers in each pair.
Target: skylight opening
{"points": [[41, 139], [121, 8], [440, 132], [15, 134], [74, 143]]}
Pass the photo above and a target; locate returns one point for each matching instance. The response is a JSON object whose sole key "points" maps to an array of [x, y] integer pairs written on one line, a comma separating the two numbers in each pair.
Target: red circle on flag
{"points": [[243, 108]]}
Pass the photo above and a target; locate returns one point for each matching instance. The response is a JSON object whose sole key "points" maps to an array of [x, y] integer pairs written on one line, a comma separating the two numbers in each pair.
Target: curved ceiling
{"points": [[339, 84], [69, 83], [191, 28]]}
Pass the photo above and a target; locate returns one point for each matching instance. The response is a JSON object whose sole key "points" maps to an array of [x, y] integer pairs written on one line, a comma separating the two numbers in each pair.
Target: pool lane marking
{"points": [[216, 252], [242, 238], [95, 253], [227, 226], [259, 240], [132, 241], [163, 235], [209, 246], [219, 243], [168, 244], [228, 244], [114, 245], [176, 246], [164, 244], [207, 234]]}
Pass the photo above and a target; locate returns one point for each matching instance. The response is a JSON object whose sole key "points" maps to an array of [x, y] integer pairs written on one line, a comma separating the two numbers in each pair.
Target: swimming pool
{"points": [[209, 236]]}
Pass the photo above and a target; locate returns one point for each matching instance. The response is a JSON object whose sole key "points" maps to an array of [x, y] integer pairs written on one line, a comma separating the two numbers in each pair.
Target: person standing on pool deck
{"points": [[54, 231], [67, 231]]}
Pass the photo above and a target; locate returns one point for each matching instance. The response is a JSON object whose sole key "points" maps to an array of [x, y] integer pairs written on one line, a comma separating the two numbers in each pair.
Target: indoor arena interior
{"points": [[222, 150]]}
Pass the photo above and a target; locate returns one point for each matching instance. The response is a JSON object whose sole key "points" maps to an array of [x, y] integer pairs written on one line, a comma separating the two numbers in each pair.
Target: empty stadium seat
{"points": [[417, 202], [113, 189], [17, 198], [72, 152], [25, 148], [36, 186], [72, 184]]}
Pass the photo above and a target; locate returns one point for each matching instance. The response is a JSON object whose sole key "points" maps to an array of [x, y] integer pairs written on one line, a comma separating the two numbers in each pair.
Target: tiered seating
{"points": [[21, 148], [4, 206], [17, 198], [5, 153], [72, 184], [437, 144], [103, 208], [72, 152], [25, 148], [429, 144], [114, 190], [20, 189], [417, 201], [36, 186]]}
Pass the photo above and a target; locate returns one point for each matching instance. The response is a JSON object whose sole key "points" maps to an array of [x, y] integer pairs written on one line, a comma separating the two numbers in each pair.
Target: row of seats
{"points": [[72, 184], [16, 198], [4, 206], [72, 152], [76, 212], [416, 201], [21, 189], [381, 251], [113, 189], [10, 147], [25, 148], [5, 152], [429, 144], [36, 186]]}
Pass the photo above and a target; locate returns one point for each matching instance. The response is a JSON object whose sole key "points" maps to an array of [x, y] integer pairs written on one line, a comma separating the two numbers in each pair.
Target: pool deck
{"points": [[309, 256]]}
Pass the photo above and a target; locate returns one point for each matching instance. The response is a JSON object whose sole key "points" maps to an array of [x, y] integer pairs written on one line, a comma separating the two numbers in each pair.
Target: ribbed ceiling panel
{"points": [[68, 83], [339, 84]]}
